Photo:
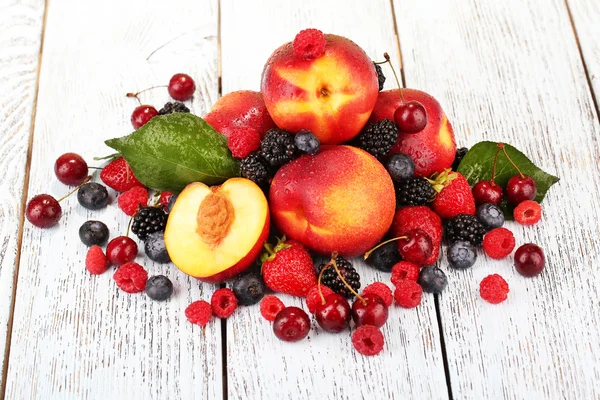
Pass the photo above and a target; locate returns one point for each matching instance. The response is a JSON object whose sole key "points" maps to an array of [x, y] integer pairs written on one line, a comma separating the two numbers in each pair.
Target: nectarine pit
{"points": [[215, 216]]}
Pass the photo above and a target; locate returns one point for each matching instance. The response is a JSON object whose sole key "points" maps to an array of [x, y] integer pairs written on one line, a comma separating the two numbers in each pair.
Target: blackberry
{"points": [[175, 107], [255, 168], [331, 279], [278, 147], [148, 220], [414, 192], [460, 154], [380, 76], [378, 138], [465, 227]]}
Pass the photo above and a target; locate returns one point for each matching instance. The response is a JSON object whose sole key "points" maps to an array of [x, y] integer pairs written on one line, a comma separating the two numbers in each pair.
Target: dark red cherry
{"points": [[43, 211], [529, 260], [520, 188], [333, 316], [291, 324], [374, 312], [181, 87], [411, 117], [487, 192], [416, 247], [141, 115], [121, 250], [71, 169]]}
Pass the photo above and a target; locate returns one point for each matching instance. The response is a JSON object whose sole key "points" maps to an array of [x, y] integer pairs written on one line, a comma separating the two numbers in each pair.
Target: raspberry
{"points": [[243, 142], [528, 212], [131, 200], [270, 306], [405, 270], [95, 261], [199, 312], [164, 199], [368, 340], [494, 289], [313, 298], [498, 243], [309, 43], [223, 302], [131, 277], [408, 294], [382, 290]]}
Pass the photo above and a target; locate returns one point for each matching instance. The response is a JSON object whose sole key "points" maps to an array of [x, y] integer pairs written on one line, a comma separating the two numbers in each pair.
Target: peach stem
{"points": [[368, 253], [74, 190], [344, 281], [501, 145], [387, 59]]}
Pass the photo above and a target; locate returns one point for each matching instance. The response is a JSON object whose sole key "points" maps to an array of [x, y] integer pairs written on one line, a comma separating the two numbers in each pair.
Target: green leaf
{"points": [[478, 163], [173, 150]]}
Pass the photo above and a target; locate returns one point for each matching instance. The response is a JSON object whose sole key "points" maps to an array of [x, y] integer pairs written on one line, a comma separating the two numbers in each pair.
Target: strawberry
{"points": [[419, 217], [119, 176], [454, 195], [288, 268]]}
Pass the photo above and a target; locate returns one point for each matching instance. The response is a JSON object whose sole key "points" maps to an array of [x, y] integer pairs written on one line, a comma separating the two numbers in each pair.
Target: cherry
{"points": [[291, 324], [487, 192], [370, 310], [71, 169], [411, 117], [181, 87], [529, 260], [520, 188], [416, 246], [121, 250], [43, 211], [334, 315], [141, 115]]}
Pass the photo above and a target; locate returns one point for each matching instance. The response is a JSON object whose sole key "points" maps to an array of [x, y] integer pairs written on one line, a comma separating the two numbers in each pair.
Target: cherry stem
{"points": [[494, 169], [113, 155], [95, 167], [368, 253], [319, 281], [74, 190], [156, 200], [387, 60], [501, 145], [334, 264], [129, 224], [142, 91]]}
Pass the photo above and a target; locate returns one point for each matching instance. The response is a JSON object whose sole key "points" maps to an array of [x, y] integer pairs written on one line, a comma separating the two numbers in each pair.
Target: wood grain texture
{"points": [[20, 39], [510, 71], [324, 365], [76, 336]]}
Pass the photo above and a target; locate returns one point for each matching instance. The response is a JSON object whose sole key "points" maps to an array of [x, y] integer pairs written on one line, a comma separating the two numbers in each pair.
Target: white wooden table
{"points": [[526, 72]]}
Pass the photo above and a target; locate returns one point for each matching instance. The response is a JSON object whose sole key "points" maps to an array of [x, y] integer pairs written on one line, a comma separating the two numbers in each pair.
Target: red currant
{"points": [[121, 250], [181, 87], [411, 117], [71, 169], [520, 188], [370, 310], [291, 324], [334, 315], [487, 192], [43, 211], [141, 115], [416, 247], [529, 260]]}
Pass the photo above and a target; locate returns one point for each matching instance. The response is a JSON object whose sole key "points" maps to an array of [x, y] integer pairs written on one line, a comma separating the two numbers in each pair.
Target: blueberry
{"points": [[249, 288], [400, 167], [159, 288], [490, 216], [93, 233], [93, 196], [461, 255], [155, 247], [433, 280], [171, 203], [384, 257], [307, 142]]}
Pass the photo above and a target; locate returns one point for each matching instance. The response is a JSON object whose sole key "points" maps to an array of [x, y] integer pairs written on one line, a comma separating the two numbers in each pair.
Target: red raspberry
{"points": [[408, 294], [223, 302], [528, 212], [95, 261], [270, 306], [243, 142], [131, 277], [498, 243], [133, 199], [494, 289], [309, 43], [405, 270], [382, 290], [368, 340], [164, 199], [199, 312], [313, 298]]}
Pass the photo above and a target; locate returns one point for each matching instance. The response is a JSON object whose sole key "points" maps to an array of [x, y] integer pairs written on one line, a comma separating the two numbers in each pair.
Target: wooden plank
{"points": [[77, 336], [20, 40], [324, 365], [510, 71]]}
